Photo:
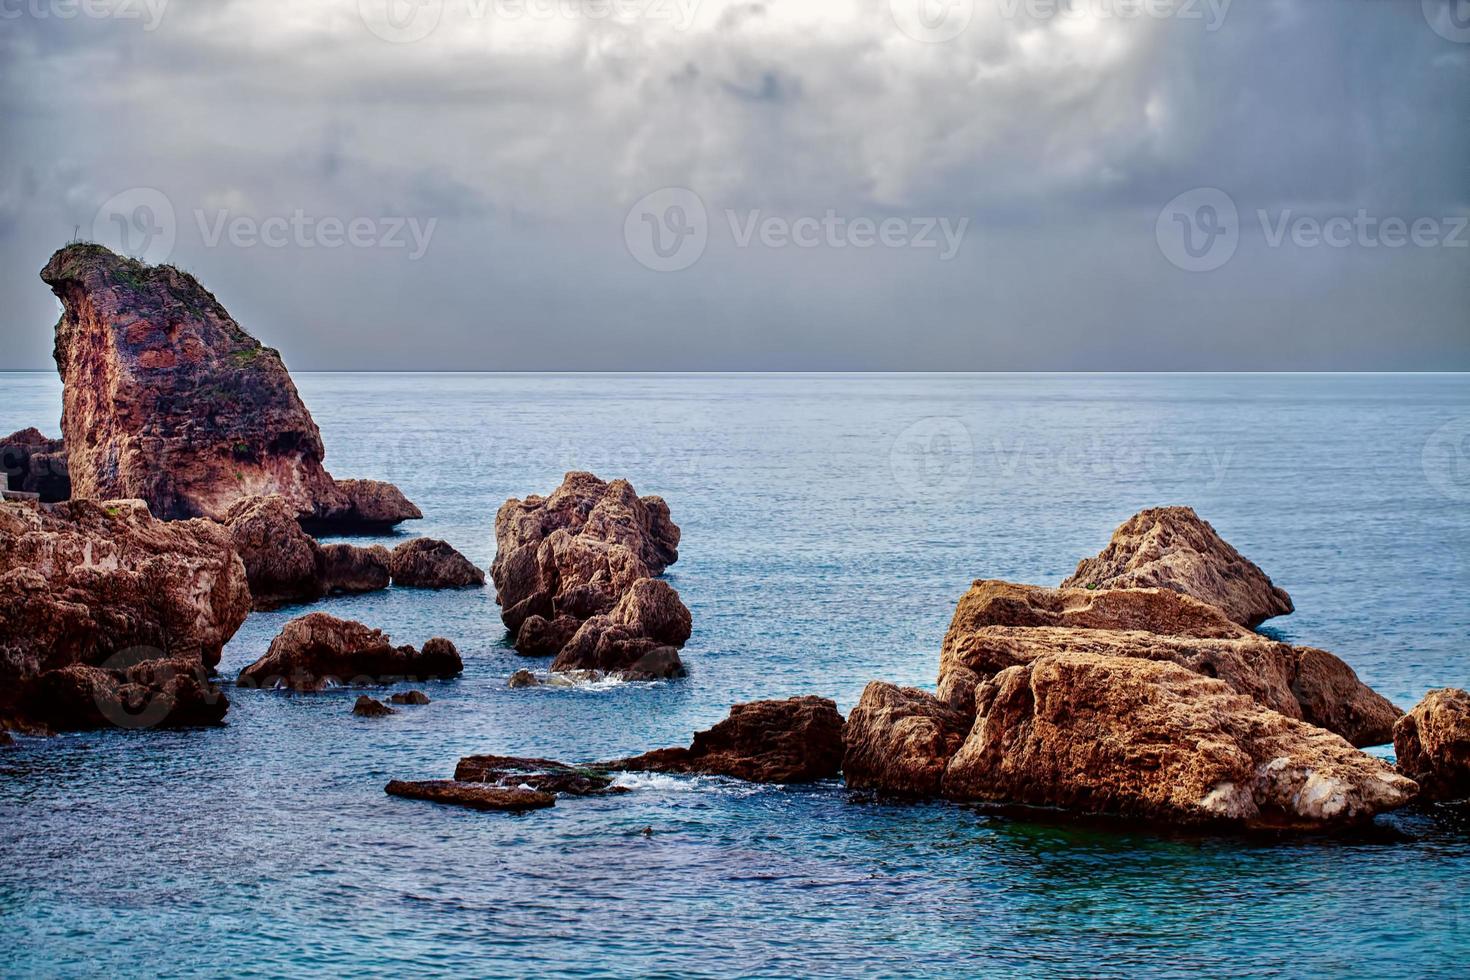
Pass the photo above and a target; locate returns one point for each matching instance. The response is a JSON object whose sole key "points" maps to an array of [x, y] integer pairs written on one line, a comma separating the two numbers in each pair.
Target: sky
{"points": [[808, 185]]}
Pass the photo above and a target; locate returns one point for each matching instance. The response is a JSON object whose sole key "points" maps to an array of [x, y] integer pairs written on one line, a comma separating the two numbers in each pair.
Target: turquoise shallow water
{"points": [[830, 523]]}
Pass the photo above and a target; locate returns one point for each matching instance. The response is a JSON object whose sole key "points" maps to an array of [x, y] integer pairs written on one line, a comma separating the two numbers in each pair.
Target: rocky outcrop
{"points": [[573, 554], [148, 694], [317, 651], [1001, 624], [899, 741], [366, 707], [366, 505], [798, 740], [1172, 548], [1136, 738], [638, 640], [542, 637], [475, 796], [84, 582], [424, 563], [285, 564], [32, 463], [168, 400], [538, 774], [1432, 743], [351, 569]]}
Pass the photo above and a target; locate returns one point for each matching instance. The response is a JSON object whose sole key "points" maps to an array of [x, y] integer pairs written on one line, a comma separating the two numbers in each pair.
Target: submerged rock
{"points": [[797, 740], [84, 582], [475, 796], [32, 463], [523, 678], [899, 741], [317, 650], [539, 774], [1129, 737], [1001, 624], [410, 697], [424, 563], [1432, 743], [167, 399], [1173, 548]]}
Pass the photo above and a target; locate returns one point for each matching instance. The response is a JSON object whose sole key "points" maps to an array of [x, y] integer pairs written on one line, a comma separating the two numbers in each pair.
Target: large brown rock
{"points": [[1001, 624], [283, 563], [83, 582], [798, 740], [899, 740], [575, 552], [475, 796], [352, 569], [637, 640], [318, 651], [425, 563], [32, 463], [167, 399], [1172, 548], [147, 694], [1432, 743], [1146, 739]]}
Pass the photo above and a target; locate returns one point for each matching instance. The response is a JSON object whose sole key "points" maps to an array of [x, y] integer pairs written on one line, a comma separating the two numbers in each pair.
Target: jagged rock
{"points": [[1172, 548], [603, 645], [368, 505], [424, 563], [542, 637], [32, 463], [523, 678], [538, 774], [318, 650], [349, 568], [797, 740], [82, 582], [1432, 743], [1001, 624], [899, 740], [650, 607], [1146, 739], [166, 399], [410, 697], [367, 707], [575, 552], [282, 562], [148, 694], [475, 796]]}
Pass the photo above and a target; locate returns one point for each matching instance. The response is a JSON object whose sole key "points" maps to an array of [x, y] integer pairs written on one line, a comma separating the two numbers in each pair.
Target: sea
{"points": [[830, 523]]}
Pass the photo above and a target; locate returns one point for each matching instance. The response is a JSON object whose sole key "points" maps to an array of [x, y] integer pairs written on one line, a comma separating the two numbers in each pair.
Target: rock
{"points": [[350, 569], [84, 582], [282, 562], [317, 650], [368, 505], [424, 563], [5, 738], [539, 774], [899, 740], [167, 399], [1001, 624], [475, 796], [575, 552], [612, 648], [523, 678], [797, 740], [410, 697], [542, 637], [367, 707], [651, 608], [1172, 548], [1432, 743], [147, 694], [574, 678], [1136, 738], [32, 463]]}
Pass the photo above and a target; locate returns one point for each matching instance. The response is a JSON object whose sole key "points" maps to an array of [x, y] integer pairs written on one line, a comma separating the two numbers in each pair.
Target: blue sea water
{"points": [[829, 525]]}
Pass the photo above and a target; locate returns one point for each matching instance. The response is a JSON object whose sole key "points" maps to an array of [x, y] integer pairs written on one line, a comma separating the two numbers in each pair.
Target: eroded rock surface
{"points": [[637, 640], [283, 563], [798, 740], [32, 463], [318, 650], [1173, 548], [1432, 743], [1130, 737], [545, 775], [899, 740], [475, 796], [425, 563], [352, 569]]}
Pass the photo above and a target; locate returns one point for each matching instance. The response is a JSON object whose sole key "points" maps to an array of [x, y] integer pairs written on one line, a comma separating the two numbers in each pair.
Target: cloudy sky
{"points": [[791, 184]]}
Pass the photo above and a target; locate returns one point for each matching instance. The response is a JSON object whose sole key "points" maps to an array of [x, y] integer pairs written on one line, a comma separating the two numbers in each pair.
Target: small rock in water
{"points": [[367, 707], [646, 831], [410, 697], [523, 678], [475, 796], [571, 678], [545, 775]]}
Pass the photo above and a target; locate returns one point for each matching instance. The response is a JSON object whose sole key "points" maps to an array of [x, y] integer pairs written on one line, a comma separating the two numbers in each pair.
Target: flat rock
{"points": [[1173, 548], [425, 563], [475, 796], [1128, 737], [545, 775], [1432, 743], [367, 707], [316, 651], [899, 740], [798, 740]]}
